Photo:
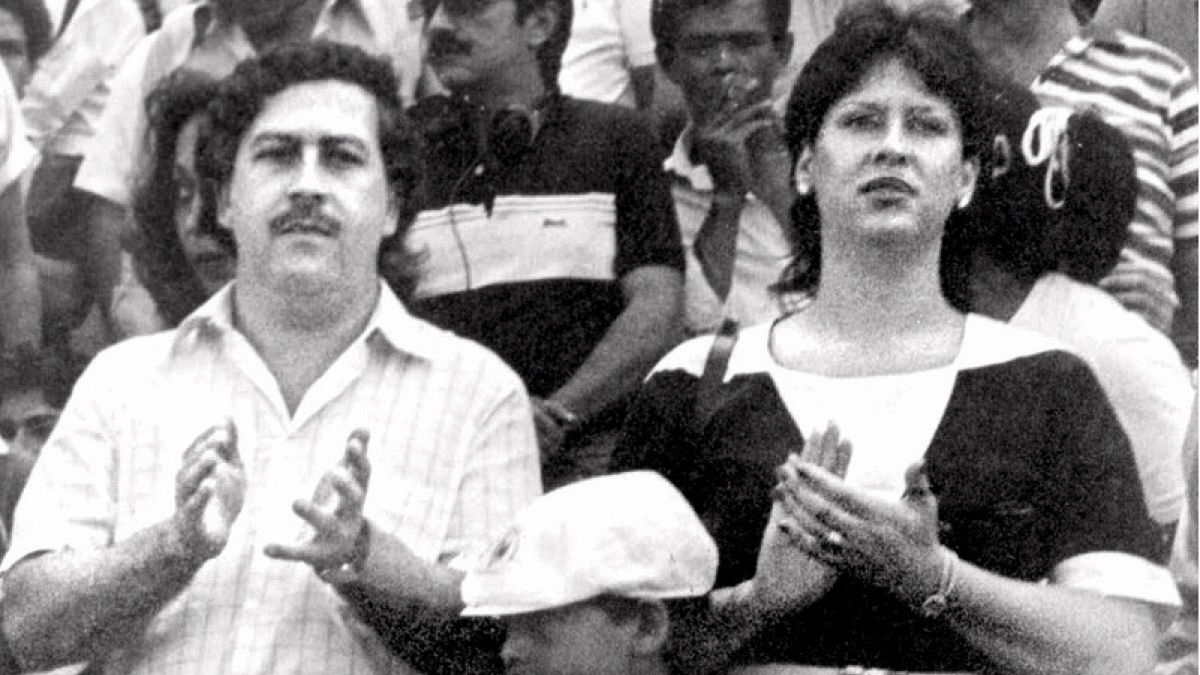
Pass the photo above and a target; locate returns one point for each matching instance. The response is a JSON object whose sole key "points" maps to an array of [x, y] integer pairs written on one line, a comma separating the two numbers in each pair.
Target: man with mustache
{"points": [[730, 167], [549, 232], [211, 37], [148, 543]]}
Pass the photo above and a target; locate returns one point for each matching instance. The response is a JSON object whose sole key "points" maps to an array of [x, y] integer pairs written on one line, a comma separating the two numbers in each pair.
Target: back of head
{"points": [[1056, 189], [630, 535], [925, 39], [35, 20], [243, 94]]}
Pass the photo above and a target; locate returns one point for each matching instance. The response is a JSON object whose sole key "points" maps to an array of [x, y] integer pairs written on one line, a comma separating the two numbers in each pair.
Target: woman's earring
{"points": [[964, 201], [803, 188]]}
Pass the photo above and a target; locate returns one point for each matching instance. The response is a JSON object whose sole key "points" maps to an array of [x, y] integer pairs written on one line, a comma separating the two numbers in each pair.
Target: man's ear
{"points": [[802, 176], [783, 48], [653, 628], [542, 23]]}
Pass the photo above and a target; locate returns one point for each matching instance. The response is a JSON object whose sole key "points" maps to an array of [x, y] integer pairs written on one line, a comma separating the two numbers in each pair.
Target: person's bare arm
{"points": [[20, 297], [642, 80], [69, 606], [106, 221], [649, 326], [1184, 266]]}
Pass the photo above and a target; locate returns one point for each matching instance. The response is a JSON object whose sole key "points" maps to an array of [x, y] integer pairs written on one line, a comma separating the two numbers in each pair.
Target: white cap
{"points": [[628, 534]]}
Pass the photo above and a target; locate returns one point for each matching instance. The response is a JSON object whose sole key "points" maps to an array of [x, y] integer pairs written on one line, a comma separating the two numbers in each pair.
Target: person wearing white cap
{"points": [[585, 575]]}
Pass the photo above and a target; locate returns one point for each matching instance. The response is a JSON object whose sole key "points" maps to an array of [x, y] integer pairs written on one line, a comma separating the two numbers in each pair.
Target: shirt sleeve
{"points": [[502, 472], [110, 165], [1184, 163], [69, 499], [16, 154], [634, 18], [647, 226], [90, 51]]}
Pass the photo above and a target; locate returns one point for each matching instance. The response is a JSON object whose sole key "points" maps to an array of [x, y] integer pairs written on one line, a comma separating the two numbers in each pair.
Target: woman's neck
{"points": [[875, 312], [1019, 37]]}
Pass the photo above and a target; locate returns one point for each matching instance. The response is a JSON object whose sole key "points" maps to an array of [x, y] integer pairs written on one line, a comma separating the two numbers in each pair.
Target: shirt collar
{"points": [[390, 323], [680, 165]]}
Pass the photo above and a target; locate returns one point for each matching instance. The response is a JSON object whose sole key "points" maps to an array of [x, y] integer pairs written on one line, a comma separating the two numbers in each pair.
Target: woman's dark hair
{"points": [[36, 21], [927, 41], [1069, 212], [158, 255], [241, 98]]}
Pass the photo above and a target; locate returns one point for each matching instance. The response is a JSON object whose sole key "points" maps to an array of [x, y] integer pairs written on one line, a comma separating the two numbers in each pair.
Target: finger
{"points": [[833, 489], [829, 442], [352, 495], [917, 491], [812, 447], [321, 521], [305, 553], [841, 463], [229, 449], [191, 475], [193, 509], [202, 441], [355, 458]]}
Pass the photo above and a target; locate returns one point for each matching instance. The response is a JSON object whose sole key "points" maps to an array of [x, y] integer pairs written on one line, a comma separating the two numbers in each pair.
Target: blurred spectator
{"points": [[178, 253], [731, 169], [61, 108], [548, 229], [24, 38], [212, 36], [1066, 209], [1148, 93], [610, 54], [1171, 23], [34, 386], [20, 299]]}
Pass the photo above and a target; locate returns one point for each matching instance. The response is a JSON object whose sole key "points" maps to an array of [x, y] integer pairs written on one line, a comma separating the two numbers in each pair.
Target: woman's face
{"points": [[212, 264], [888, 158]]}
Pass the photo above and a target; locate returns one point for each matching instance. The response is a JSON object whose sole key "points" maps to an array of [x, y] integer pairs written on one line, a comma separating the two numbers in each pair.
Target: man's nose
{"points": [[309, 178], [727, 57]]}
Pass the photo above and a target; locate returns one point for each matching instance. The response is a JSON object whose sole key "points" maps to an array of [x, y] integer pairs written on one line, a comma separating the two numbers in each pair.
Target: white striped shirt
{"points": [[452, 452], [1148, 93]]}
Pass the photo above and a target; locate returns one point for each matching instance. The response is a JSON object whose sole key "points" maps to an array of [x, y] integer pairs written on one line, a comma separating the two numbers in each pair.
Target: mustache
{"points": [[304, 216], [444, 43]]}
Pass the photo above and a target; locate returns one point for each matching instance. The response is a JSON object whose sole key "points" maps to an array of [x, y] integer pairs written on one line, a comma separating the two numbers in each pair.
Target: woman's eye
{"points": [[933, 126], [344, 158], [859, 120], [273, 154]]}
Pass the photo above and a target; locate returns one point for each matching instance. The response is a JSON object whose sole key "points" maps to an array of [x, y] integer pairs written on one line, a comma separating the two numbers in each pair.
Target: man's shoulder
{"points": [[1121, 50], [450, 351]]}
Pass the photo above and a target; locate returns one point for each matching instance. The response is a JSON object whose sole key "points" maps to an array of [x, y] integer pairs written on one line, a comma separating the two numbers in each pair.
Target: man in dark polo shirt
{"points": [[549, 232]]}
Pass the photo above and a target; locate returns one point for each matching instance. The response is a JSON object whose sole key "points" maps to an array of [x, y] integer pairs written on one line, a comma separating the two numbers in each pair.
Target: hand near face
{"points": [[334, 515], [788, 575], [210, 489], [742, 144], [891, 545]]}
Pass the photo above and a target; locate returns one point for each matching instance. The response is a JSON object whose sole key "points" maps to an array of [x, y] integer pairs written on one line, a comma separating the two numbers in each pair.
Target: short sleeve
{"points": [[647, 227], [1184, 163], [634, 17], [17, 154]]}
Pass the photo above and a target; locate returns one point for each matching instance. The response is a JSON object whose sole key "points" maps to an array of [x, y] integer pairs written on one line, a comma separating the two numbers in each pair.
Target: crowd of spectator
{"points": [[612, 337]]}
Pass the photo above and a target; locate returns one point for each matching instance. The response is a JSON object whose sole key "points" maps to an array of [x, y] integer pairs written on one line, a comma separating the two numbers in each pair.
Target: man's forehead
{"points": [[323, 108], [725, 18]]}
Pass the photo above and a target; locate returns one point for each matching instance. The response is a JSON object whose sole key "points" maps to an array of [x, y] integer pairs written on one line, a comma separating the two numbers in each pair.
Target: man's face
{"points": [[725, 55], [472, 44], [309, 202], [14, 49], [578, 639], [26, 420]]}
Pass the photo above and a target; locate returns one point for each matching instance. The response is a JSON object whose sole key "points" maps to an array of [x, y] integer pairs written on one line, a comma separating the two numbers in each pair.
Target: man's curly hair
{"points": [[241, 98]]}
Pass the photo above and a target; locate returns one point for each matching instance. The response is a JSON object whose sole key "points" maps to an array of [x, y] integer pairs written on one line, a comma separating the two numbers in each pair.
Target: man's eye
{"points": [[340, 157]]}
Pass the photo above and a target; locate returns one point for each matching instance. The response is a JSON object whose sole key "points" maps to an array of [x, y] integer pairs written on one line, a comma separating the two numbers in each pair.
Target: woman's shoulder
{"points": [[988, 342], [750, 353]]}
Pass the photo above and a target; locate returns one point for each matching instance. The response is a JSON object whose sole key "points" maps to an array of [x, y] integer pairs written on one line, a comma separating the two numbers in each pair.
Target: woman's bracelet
{"points": [[936, 604]]}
